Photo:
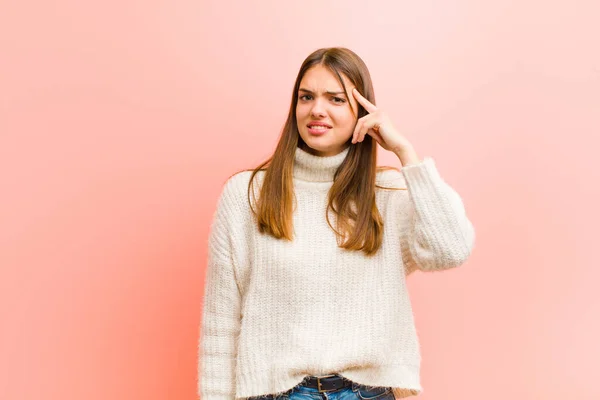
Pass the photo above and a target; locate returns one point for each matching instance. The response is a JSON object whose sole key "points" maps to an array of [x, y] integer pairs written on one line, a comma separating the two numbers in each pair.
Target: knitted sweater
{"points": [[275, 311]]}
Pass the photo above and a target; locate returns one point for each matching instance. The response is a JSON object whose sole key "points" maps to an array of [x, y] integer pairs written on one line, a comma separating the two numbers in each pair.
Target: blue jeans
{"points": [[355, 391]]}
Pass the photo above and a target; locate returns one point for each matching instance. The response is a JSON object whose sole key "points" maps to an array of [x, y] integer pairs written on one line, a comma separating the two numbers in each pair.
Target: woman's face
{"points": [[325, 121]]}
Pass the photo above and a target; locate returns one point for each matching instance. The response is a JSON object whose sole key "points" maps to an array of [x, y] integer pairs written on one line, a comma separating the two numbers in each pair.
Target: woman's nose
{"points": [[318, 109], [318, 114]]}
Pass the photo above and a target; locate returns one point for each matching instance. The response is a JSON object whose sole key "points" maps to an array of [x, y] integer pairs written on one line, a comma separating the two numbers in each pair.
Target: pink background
{"points": [[119, 122]]}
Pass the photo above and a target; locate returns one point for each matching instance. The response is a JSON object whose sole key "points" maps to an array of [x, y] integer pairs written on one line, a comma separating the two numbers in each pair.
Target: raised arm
{"points": [[439, 235]]}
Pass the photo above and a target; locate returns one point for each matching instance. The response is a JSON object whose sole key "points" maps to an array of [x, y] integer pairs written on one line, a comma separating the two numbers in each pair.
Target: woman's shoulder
{"points": [[237, 179], [236, 186], [242, 179]]}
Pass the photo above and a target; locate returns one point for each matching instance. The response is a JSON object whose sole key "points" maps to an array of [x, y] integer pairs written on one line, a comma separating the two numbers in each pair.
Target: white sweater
{"points": [[275, 311]]}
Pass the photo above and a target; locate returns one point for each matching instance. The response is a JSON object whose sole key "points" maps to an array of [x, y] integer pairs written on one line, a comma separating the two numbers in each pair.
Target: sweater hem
{"points": [[402, 378]]}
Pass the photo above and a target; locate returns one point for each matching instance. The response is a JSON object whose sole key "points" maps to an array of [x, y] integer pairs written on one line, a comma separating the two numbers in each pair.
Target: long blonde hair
{"points": [[352, 194]]}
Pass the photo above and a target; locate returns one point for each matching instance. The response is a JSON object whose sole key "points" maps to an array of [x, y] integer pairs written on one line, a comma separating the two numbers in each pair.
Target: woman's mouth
{"points": [[317, 129]]}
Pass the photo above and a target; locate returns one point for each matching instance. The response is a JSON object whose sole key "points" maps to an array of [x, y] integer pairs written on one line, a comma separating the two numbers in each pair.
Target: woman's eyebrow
{"points": [[310, 91]]}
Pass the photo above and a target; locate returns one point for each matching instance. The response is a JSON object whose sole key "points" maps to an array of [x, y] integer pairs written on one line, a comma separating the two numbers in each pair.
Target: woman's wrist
{"points": [[407, 156]]}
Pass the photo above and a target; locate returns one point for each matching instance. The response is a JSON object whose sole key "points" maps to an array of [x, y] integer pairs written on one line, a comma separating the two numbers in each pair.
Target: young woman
{"points": [[305, 294]]}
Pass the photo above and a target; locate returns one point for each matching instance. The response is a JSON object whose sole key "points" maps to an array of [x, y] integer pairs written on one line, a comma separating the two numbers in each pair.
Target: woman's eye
{"points": [[307, 97]]}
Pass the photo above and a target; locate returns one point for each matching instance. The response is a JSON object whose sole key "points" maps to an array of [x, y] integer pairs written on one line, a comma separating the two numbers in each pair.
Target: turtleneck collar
{"points": [[309, 167]]}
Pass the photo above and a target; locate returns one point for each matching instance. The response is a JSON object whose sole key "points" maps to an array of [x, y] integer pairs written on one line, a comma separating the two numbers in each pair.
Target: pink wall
{"points": [[119, 121]]}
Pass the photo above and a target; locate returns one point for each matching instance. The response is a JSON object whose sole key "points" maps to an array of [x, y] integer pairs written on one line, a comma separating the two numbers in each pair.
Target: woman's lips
{"points": [[317, 130]]}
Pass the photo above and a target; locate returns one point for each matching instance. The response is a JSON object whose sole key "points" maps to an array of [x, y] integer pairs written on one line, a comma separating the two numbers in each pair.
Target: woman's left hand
{"points": [[377, 124]]}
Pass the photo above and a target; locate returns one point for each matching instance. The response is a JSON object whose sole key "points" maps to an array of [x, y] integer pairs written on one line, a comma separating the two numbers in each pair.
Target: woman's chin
{"points": [[324, 149]]}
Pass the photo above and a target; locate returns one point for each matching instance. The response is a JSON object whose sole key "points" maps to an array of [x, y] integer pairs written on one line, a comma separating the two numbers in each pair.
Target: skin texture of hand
{"points": [[377, 124]]}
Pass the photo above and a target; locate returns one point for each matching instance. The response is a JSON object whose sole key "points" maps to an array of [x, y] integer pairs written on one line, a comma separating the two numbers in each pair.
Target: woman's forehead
{"points": [[321, 79]]}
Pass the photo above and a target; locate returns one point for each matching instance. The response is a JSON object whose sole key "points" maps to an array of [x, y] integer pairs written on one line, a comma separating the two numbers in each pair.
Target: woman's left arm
{"points": [[440, 235]]}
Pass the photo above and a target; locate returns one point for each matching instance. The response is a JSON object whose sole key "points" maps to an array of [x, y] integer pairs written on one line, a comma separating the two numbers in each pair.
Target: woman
{"points": [[305, 294]]}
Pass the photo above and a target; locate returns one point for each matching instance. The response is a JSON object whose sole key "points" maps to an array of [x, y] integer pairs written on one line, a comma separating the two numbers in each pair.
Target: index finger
{"points": [[363, 101]]}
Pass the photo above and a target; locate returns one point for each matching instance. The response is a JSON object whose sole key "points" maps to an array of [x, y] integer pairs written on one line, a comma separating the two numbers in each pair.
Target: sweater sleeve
{"points": [[221, 308], [439, 235]]}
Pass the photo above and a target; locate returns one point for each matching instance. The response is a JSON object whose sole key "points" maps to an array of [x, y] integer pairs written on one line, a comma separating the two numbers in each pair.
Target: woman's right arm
{"points": [[221, 307]]}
